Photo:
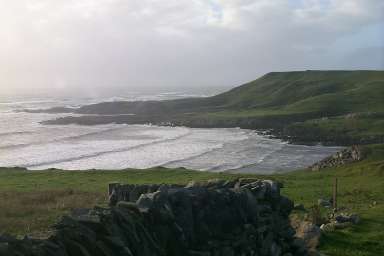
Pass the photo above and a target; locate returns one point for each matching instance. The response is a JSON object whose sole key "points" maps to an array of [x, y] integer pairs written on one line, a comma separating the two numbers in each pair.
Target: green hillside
{"points": [[310, 91], [290, 103]]}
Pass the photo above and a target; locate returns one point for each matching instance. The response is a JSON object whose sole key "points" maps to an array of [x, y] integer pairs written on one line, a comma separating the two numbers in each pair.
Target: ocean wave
{"points": [[209, 150], [247, 161], [4, 134], [223, 167], [43, 142], [26, 102], [101, 153], [270, 153]]}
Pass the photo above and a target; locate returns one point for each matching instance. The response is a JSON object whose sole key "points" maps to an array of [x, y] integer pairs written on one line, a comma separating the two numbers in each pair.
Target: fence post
{"points": [[334, 197]]}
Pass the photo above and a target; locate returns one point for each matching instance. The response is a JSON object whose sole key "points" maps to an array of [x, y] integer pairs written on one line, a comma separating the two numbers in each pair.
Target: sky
{"points": [[95, 46]]}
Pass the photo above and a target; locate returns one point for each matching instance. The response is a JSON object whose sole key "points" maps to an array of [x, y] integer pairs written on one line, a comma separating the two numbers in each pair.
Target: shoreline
{"points": [[273, 133], [255, 159]]}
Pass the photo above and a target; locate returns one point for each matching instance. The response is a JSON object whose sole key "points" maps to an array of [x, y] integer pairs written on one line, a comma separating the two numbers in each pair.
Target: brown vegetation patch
{"points": [[24, 212]]}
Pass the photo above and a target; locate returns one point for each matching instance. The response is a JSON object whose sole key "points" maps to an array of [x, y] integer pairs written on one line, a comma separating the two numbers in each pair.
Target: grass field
{"points": [[31, 201]]}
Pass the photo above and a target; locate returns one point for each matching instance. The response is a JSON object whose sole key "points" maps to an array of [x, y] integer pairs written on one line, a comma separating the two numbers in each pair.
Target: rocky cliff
{"points": [[216, 218]]}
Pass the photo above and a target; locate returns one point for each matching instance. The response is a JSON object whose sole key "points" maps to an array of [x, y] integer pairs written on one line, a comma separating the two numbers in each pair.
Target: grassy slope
{"points": [[358, 129], [31, 201], [325, 92], [285, 101], [294, 101], [309, 91]]}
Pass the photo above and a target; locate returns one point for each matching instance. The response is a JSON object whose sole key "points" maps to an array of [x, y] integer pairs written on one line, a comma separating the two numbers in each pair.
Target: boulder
{"points": [[324, 203], [342, 218], [299, 207]]}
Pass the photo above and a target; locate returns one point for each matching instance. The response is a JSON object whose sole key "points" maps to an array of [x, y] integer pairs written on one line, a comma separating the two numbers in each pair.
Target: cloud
{"points": [[158, 43]]}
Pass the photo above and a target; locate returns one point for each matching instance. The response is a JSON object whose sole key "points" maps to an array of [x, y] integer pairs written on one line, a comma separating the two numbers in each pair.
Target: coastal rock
{"points": [[345, 156]]}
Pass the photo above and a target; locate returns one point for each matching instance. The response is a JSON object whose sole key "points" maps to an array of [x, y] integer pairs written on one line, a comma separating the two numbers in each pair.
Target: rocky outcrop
{"points": [[216, 218], [345, 156]]}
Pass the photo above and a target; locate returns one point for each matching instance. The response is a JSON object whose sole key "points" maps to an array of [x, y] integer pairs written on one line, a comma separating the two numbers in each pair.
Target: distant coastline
{"points": [[308, 107]]}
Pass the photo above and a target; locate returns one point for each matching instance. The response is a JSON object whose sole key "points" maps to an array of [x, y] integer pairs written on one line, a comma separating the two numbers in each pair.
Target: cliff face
{"points": [[217, 218]]}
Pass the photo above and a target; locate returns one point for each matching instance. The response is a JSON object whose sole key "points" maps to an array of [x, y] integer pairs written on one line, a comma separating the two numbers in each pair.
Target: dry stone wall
{"points": [[217, 218]]}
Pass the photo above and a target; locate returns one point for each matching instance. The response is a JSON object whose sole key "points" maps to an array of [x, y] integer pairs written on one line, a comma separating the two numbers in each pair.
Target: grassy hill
{"points": [[310, 91], [31, 201], [304, 106]]}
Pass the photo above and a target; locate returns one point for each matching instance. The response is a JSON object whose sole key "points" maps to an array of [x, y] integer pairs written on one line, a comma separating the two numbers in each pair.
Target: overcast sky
{"points": [[100, 45]]}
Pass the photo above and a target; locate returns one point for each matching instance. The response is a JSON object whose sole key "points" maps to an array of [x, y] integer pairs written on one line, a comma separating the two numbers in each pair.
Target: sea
{"points": [[25, 142]]}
